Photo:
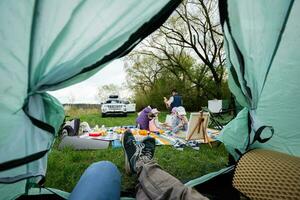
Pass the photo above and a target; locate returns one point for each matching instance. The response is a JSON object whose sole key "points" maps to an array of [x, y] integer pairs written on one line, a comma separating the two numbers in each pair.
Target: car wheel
{"points": [[124, 114], [103, 115]]}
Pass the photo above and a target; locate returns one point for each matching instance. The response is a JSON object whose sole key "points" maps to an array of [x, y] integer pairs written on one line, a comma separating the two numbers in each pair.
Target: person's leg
{"points": [[101, 180], [154, 183]]}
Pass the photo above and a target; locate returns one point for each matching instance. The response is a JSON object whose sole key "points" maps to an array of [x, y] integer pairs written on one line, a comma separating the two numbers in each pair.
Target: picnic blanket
{"points": [[163, 138], [211, 133]]}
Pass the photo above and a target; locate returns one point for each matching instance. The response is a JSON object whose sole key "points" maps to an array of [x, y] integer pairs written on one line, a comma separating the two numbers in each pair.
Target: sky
{"points": [[86, 91]]}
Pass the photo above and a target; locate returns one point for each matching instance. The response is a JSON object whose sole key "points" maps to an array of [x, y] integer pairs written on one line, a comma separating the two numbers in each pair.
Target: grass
{"points": [[66, 166]]}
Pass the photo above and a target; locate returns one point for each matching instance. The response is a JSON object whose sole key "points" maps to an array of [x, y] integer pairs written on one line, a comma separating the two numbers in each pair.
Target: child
{"points": [[181, 121], [171, 119], [154, 124], [144, 118]]}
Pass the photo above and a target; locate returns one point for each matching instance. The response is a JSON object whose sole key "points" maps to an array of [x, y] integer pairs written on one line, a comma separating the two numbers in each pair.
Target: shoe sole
{"points": [[127, 165]]}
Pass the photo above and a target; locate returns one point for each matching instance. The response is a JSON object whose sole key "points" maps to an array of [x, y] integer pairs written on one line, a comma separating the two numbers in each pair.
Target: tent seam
{"points": [[31, 44], [32, 33], [277, 43]]}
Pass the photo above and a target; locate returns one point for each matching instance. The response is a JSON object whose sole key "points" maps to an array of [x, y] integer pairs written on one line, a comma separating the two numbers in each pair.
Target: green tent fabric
{"points": [[50, 44], [207, 177], [262, 38], [47, 45], [263, 64]]}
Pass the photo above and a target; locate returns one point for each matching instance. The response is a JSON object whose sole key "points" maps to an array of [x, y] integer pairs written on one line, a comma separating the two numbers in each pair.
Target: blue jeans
{"points": [[101, 180]]}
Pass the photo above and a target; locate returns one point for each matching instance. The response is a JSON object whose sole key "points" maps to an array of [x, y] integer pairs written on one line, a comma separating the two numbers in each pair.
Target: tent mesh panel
{"points": [[264, 174]]}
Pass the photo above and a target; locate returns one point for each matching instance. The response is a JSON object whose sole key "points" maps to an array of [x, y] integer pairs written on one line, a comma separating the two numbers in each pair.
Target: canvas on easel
{"points": [[197, 127]]}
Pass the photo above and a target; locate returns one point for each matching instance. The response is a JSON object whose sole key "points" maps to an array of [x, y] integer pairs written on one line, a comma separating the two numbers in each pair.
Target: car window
{"points": [[113, 101]]}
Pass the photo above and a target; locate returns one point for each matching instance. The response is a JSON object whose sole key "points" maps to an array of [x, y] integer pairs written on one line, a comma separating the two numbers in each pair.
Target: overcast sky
{"points": [[86, 91]]}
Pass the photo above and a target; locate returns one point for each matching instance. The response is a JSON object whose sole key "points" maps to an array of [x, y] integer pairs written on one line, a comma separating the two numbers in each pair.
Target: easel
{"points": [[200, 128]]}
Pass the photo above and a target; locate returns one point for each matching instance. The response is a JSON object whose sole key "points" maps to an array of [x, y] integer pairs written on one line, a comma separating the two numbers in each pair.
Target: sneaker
{"points": [[179, 145], [194, 144], [132, 151], [149, 148]]}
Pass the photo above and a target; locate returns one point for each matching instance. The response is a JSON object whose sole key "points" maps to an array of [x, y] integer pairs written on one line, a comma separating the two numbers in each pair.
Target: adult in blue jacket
{"points": [[174, 101]]}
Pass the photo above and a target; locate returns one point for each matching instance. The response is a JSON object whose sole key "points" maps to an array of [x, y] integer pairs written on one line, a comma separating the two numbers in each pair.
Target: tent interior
{"points": [[48, 45]]}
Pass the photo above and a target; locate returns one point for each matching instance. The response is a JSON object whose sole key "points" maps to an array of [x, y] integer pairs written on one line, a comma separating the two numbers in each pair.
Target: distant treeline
{"points": [[82, 105]]}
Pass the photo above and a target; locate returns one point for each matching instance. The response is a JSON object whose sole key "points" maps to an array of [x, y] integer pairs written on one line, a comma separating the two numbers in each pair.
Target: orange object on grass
{"points": [[143, 132]]}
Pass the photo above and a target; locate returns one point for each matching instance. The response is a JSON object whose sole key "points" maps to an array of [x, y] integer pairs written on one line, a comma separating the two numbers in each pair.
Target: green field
{"points": [[66, 166]]}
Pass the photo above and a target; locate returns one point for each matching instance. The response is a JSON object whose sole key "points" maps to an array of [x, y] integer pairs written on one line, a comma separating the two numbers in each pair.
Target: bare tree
{"points": [[142, 72], [192, 31]]}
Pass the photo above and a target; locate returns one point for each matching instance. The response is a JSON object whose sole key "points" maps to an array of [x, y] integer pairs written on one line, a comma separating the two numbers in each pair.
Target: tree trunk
{"points": [[219, 94]]}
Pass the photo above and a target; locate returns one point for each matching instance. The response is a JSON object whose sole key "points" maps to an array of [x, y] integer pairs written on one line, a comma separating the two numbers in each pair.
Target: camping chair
{"points": [[215, 121]]}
